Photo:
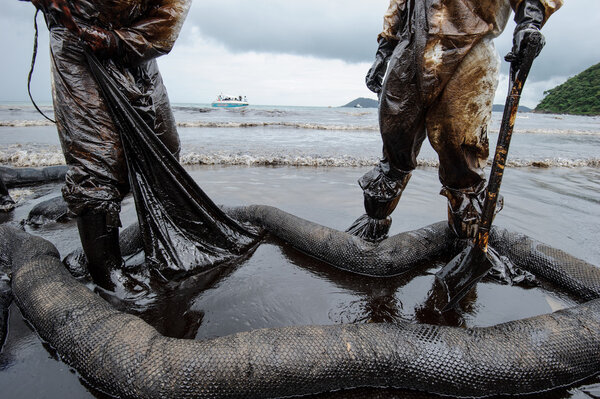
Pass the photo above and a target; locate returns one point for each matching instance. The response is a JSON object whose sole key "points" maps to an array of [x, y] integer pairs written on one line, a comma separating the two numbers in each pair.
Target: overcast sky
{"points": [[291, 52]]}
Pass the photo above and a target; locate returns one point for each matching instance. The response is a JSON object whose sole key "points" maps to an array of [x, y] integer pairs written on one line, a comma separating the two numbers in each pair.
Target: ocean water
{"points": [[305, 136], [306, 161]]}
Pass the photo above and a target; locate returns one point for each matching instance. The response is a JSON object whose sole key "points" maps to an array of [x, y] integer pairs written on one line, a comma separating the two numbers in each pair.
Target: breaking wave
{"points": [[556, 131], [27, 158], [241, 159], [194, 158], [296, 125], [217, 124], [31, 123], [305, 125]]}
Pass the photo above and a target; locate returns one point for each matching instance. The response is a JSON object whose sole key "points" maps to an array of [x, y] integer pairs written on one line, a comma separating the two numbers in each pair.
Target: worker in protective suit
{"points": [[441, 80], [127, 36]]}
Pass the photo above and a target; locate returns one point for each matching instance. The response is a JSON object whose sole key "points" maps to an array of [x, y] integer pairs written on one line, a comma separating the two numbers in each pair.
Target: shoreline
{"points": [[564, 215]]}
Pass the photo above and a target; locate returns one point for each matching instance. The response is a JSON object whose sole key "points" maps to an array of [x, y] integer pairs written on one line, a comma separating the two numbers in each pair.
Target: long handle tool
{"points": [[474, 262]]}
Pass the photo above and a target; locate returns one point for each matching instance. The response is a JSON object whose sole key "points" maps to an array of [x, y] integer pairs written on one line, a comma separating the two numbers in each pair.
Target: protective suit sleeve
{"points": [[392, 19], [154, 34], [550, 6]]}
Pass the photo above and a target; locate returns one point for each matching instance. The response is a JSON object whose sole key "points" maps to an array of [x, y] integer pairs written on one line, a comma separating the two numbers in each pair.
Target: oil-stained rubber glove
{"points": [[57, 10], [529, 18], [102, 42], [374, 78], [49, 4]]}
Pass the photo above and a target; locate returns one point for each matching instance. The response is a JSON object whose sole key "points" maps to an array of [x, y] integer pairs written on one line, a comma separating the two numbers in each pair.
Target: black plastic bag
{"points": [[182, 229]]}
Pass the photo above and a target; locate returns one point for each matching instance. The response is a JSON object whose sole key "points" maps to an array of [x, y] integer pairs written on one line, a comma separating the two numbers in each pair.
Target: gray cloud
{"points": [[332, 29], [345, 30]]}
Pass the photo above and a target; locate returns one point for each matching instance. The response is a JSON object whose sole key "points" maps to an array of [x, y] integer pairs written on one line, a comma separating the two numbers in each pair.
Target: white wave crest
{"points": [[558, 131], [31, 123], [274, 160], [193, 158], [553, 163], [306, 125], [50, 157], [297, 125], [29, 159]]}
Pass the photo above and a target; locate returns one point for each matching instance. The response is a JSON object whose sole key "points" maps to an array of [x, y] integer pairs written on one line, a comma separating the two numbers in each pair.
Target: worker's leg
{"points": [[97, 178], [401, 123], [457, 125]]}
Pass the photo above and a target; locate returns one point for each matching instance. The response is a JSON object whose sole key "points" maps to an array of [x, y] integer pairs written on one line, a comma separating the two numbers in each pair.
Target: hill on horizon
{"points": [[363, 102], [579, 95], [500, 108]]}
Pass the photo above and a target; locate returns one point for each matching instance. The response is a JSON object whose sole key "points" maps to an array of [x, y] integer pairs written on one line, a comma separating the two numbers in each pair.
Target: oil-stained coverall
{"points": [[128, 36], [441, 80]]}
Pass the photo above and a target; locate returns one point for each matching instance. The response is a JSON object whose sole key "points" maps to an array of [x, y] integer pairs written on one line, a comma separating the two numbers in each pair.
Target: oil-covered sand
{"points": [[275, 285]]}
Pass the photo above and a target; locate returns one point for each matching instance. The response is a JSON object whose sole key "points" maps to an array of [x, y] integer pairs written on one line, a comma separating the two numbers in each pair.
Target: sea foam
{"points": [[50, 157]]}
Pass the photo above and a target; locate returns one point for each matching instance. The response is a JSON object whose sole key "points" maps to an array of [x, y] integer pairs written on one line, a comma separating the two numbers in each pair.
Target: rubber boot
{"points": [[382, 189], [464, 216], [465, 207], [6, 202], [369, 228], [101, 247]]}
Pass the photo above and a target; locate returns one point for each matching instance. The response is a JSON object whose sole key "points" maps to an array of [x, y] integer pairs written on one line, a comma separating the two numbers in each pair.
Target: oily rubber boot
{"points": [[370, 229], [101, 247], [375, 224], [465, 207], [6, 202], [382, 189]]}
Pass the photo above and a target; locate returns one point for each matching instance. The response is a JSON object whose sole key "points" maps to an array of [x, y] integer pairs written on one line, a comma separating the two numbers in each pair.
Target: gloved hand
{"points": [[50, 5], [529, 18], [39, 4], [60, 10], [374, 78], [102, 42]]}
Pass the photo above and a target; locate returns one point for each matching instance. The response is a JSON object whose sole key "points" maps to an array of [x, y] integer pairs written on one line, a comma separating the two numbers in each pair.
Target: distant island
{"points": [[580, 95], [500, 108], [362, 102]]}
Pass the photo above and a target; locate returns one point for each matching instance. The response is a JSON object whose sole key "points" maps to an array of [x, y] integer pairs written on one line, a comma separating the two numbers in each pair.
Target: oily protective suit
{"points": [[144, 29], [127, 36], [441, 80], [181, 228]]}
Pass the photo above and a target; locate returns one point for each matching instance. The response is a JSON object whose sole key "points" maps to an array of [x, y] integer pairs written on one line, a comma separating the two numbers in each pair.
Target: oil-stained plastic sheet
{"points": [[182, 229]]}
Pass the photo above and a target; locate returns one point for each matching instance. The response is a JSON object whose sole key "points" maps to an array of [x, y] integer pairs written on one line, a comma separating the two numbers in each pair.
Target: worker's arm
{"points": [[387, 41]]}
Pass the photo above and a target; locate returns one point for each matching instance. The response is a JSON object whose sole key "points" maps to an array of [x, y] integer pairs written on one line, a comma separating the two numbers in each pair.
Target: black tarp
{"points": [[182, 229]]}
